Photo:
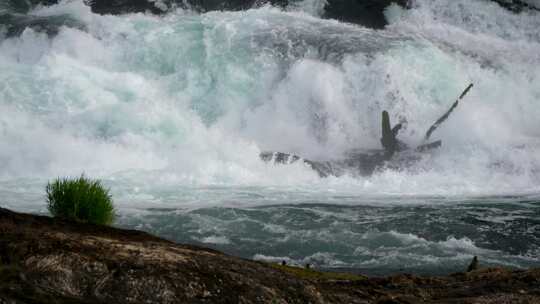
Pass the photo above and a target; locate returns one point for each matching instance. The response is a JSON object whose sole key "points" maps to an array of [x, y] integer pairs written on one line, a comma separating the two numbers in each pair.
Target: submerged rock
{"points": [[233, 5], [517, 6], [14, 24], [117, 7], [46, 260], [369, 13], [23, 6]]}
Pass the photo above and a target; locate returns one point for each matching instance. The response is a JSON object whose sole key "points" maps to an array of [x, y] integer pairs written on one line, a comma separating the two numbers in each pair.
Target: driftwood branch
{"points": [[445, 116]]}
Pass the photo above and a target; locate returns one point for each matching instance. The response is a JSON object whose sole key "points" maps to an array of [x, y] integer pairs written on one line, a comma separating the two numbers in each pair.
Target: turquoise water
{"points": [[374, 237], [172, 112]]}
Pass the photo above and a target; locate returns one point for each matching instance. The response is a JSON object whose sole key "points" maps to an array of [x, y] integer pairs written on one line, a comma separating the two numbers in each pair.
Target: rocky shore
{"points": [[46, 260]]}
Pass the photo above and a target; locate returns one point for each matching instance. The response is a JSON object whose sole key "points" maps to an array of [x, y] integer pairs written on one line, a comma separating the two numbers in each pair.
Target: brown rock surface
{"points": [[46, 260]]}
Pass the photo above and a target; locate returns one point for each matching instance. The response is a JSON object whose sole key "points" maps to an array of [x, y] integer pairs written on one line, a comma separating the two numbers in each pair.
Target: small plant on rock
{"points": [[80, 199]]}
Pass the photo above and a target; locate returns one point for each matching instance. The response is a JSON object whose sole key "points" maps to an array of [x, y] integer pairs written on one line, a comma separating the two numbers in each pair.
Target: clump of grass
{"points": [[80, 199]]}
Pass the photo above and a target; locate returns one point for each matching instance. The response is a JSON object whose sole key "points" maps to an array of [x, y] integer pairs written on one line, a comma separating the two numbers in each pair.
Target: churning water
{"points": [[172, 112]]}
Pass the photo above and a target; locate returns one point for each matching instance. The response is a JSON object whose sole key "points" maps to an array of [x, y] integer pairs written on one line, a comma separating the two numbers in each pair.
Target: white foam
{"points": [[274, 259], [318, 259], [214, 239]]}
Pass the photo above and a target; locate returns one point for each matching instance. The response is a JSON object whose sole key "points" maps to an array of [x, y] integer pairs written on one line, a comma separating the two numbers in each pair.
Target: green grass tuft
{"points": [[80, 199]]}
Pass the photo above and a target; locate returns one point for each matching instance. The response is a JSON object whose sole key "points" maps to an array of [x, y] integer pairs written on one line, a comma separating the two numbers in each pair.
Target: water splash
{"points": [[195, 98]]}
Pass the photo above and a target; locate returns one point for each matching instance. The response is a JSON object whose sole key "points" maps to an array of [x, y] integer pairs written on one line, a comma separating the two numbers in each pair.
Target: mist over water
{"points": [[173, 111]]}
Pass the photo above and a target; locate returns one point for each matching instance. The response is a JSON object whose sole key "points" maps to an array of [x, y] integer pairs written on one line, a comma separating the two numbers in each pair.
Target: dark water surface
{"points": [[435, 237]]}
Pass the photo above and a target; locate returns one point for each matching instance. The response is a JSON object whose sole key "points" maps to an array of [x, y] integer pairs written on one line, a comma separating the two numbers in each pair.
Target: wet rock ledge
{"points": [[46, 260]]}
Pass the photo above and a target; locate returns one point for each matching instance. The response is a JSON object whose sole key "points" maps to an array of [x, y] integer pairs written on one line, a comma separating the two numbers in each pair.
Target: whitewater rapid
{"points": [[192, 99]]}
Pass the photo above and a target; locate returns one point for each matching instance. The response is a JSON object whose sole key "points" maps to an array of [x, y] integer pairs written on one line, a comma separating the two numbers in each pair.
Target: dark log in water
{"points": [[447, 114], [363, 164]]}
